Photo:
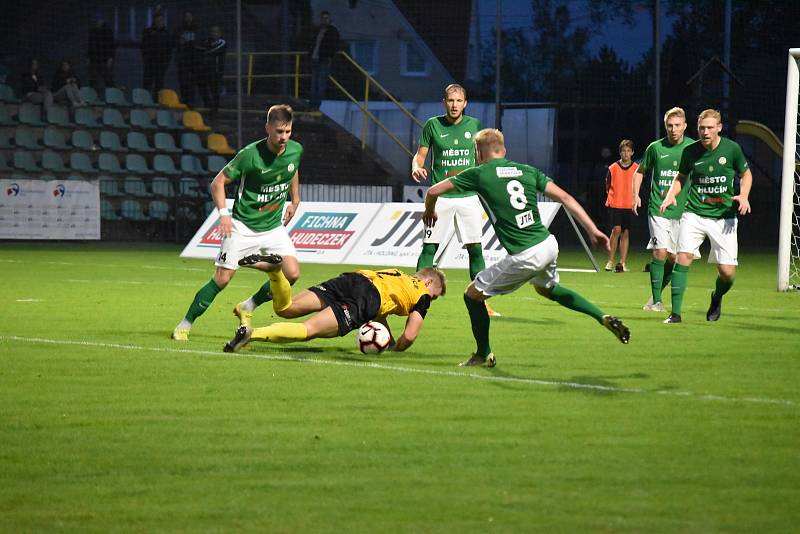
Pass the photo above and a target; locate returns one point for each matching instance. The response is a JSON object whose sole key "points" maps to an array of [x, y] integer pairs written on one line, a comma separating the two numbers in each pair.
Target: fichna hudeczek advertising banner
{"points": [[362, 234], [49, 209]]}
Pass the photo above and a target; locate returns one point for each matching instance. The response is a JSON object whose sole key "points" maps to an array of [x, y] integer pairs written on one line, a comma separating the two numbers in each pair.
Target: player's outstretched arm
{"points": [[410, 332], [638, 176], [418, 170], [743, 198], [672, 194], [554, 192], [218, 196], [429, 216]]}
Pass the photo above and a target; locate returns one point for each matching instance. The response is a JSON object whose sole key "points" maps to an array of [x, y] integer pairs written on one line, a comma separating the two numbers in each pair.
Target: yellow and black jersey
{"points": [[400, 293]]}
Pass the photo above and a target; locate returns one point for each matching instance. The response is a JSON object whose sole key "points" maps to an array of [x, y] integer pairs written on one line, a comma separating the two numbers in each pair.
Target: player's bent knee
{"points": [[223, 276]]}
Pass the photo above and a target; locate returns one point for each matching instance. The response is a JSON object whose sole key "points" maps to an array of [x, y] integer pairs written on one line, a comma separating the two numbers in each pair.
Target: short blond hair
{"points": [[675, 112], [490, 138], [625, 143], [434, 274], [710, 114], [454, 87]]}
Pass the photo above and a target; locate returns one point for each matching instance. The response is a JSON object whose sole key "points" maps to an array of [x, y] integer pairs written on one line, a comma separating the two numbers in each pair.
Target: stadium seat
{"points": [[190, 188], [192, 165], [188, 213], [115, 97], [113, 119], [86, 117], [5, 116], [83, 140], [110, 141], [109, 163], [90, 96], [107, 211], [3, 163], [25, 138], [135, 186], [136, 164], [162, 187], [140, 119], [137, 142], [55, 138], [166, 119], [23, 160], [143, 98], [30, 114], [169, 98], [132, 210], [7, 94], [166, 143], [219, 144], [191, 142], [194, 121], [58, 115], [51, 161], [5, 138], [163, 165], [216, 164], [109, 187], [81, 162], [158, 210]]}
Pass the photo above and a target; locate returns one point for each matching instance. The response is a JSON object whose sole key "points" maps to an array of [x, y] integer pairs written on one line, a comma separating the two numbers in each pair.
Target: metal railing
{"points": [[250, 76]]}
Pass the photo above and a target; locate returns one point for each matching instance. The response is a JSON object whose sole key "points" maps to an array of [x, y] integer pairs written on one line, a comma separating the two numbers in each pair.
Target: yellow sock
{"points": [[281, 291], [281, 333]]}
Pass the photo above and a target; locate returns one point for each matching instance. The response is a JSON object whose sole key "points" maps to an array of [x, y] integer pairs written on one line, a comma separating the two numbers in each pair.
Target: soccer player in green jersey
{"points": [[662, 157], [711, 164], [508, 192], [449, 138], [266, 171]]}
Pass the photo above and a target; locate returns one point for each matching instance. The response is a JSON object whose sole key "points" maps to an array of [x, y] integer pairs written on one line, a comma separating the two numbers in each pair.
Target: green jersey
{"points": [[711, 173], [662, 157], [264, 182], [452, 147], [508, 193]]}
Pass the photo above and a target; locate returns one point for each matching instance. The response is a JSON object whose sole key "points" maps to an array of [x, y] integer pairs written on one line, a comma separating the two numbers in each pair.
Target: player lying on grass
{"points": [[508, 193], [343, 303]]}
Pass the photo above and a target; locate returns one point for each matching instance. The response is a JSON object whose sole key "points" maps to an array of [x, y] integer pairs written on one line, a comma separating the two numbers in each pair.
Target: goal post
{"points": [[789, 226]]}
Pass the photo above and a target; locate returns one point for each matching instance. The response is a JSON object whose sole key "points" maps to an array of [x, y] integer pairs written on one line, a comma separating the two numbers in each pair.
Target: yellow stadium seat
{"points": [[194, 121], [219, 144], [169, 98]]}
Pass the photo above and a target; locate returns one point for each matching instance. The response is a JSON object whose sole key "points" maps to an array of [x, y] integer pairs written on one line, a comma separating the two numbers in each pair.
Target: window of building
{"points": [[413, 60], [365, 52]]}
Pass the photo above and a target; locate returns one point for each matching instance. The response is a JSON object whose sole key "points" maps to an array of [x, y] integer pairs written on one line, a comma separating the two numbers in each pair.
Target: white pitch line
{"points": [[413, 370]]}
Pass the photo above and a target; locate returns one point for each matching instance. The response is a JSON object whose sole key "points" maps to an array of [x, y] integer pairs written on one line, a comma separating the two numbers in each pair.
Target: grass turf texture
{"points": [[108, 424]]}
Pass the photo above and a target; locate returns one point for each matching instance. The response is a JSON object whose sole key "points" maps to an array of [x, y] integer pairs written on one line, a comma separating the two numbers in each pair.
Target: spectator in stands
{"points": [[34, 89], [187, 58], [324, 44], [156, 53], [212, 61], [66, 86], [101, 55]]}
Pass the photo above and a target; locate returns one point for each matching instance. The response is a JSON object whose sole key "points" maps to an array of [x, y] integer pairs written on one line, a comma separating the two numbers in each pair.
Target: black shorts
{"points": [[353, 299], [619, 217]]}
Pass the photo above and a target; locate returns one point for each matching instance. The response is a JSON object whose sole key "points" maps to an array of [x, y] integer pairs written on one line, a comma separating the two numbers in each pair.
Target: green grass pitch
{"points": [[106, 424]]}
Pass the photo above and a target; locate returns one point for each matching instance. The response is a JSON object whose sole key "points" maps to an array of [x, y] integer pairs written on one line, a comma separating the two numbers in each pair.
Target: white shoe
{"points": [[609, 266], [654, 307]]}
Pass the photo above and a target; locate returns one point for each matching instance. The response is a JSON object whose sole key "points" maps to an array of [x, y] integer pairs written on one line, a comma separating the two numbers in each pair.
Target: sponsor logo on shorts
{"points": [[346, 311], [321, 230]]}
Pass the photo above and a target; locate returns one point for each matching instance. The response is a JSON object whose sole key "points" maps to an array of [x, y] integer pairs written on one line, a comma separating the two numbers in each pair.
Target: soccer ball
{"points": [[373, 338]]}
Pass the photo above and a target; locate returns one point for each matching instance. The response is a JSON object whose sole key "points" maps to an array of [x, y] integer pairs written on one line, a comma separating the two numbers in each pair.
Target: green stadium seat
{"points": [[135, 186], [25, 138], [132, 210], [109, 163], [191, 142], [192, 165], [140, 119], [143, 98], [55, 138], [5, 116], [189, 188], [113, 119], [110, 141], [5, 138], [162, 187], [58, 115], [136, 164], [115, 97], [158, 210], [30, 114], [81, 162], [107, 211], [163, 164], [51, 161], [91, 97], [23, 160], [85, 117], [7, 94], [216, 164], [166, 119], [81, 139], [3, 163], [109, 187], [137, 141], [166, 143]]}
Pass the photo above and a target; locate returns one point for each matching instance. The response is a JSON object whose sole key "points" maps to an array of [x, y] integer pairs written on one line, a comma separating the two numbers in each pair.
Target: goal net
{"points": [[789, 229]]}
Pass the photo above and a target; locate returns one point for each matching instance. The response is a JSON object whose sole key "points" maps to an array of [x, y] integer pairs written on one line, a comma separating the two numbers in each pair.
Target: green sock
{"points": [[574, 301], [657, 278], [680, 277], [668, 267], [476, 263], [202, 300], [479, 318], [264, 294], [722, 287], [426, 256]]}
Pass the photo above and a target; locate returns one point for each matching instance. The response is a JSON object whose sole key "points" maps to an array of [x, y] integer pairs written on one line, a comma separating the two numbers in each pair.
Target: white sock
{"points": [[184, 324], [248, 305]]}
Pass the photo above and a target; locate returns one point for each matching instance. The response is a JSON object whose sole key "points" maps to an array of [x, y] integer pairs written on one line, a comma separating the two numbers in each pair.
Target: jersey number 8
{"points": [[516, 195]]}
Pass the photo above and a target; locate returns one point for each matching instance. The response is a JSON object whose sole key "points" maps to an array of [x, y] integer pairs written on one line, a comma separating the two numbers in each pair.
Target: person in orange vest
{"points": [[619, 201]]}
